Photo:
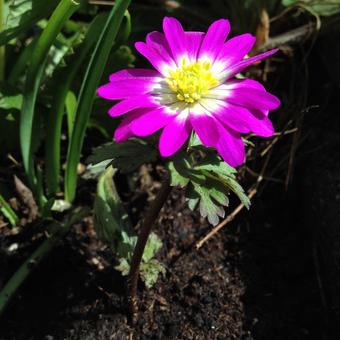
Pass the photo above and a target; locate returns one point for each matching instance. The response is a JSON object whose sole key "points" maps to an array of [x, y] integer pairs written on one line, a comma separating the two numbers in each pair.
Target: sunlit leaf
{"points": [[21, 15]]}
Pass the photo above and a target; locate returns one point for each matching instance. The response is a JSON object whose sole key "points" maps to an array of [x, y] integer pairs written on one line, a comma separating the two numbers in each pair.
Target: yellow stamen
{"points": [[191, 81]]}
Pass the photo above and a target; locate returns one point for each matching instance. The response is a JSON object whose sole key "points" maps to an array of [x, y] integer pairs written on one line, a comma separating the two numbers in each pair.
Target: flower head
{"points": [[193, 87]]}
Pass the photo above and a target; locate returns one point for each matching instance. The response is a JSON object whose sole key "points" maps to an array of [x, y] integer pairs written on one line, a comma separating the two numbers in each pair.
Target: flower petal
{"points": [[233, 51], [126, 88], [174, 135], [134, 73], [155, 59], [213, 40], [204, 125], [226, 113], [176, 38], [243, 120], [230, 146], [130, 104], [123, 131], [156, 41], [150, 122], [253, 98], [193, 44], [240, 66]]}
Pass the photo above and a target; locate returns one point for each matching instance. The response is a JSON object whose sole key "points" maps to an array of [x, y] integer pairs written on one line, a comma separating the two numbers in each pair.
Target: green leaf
{"points": [[63, 11], [234, 186], [8, 212], [178, 175], [208, 207], [126, 156], [123, 266], [320, 7], [150, 268], [70, 106], [17, 73], [149, 272], [87, 93], [22, 14], [62, 96], [215, 164], [111, 219], [61, 48], [153, 244], [209, 183], [10, 102], [113, 227]]}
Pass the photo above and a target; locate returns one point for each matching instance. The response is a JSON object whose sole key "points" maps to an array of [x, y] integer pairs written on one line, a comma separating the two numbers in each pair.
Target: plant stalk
{"points": [[145, 229]]}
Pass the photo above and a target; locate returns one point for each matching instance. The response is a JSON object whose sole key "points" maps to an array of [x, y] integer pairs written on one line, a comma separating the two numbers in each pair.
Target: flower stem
{"points": [[145, 229]]}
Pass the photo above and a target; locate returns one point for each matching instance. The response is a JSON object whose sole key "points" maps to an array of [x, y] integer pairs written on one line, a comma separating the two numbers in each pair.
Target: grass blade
{"points": [[8, 212], [63, 11], [54, 124], [70, 105], [87, 93]]}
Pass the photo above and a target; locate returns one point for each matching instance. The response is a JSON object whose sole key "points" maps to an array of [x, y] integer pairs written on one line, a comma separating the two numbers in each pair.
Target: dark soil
{"points": [[255, 280]]}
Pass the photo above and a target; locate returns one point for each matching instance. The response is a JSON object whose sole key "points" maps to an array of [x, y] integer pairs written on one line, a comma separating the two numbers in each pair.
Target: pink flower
{"points": [[192, 88]]}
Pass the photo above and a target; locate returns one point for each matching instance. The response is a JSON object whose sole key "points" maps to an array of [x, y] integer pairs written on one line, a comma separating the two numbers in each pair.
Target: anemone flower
{"points": [[192, 88]]}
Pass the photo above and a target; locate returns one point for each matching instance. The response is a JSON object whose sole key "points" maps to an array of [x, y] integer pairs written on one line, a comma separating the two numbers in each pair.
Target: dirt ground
{"points": [[255, 280]]}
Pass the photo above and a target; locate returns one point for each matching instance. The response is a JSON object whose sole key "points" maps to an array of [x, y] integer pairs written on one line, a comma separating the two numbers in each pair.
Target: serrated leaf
{"points": [[126, 156], [149, 267], [214, 163], [208, 208], [219, 196], [177, 177], [150, 271], [234, 186], [208, 183], [192, 203], [152, 246], [123, 266]]}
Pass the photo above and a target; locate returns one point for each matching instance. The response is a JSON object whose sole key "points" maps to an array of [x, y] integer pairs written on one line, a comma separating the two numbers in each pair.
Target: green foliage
{"points": [[63, 97], [111, 218], [208, 183], [8, 212], [87, 93], [126, 156], [320, 7], [10, 102], [150, 268], [113, 226], [34, 73], [20, 15]]}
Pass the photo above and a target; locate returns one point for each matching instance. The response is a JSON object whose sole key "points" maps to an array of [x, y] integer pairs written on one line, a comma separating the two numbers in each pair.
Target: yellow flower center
{"points": [[191, 81]]}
